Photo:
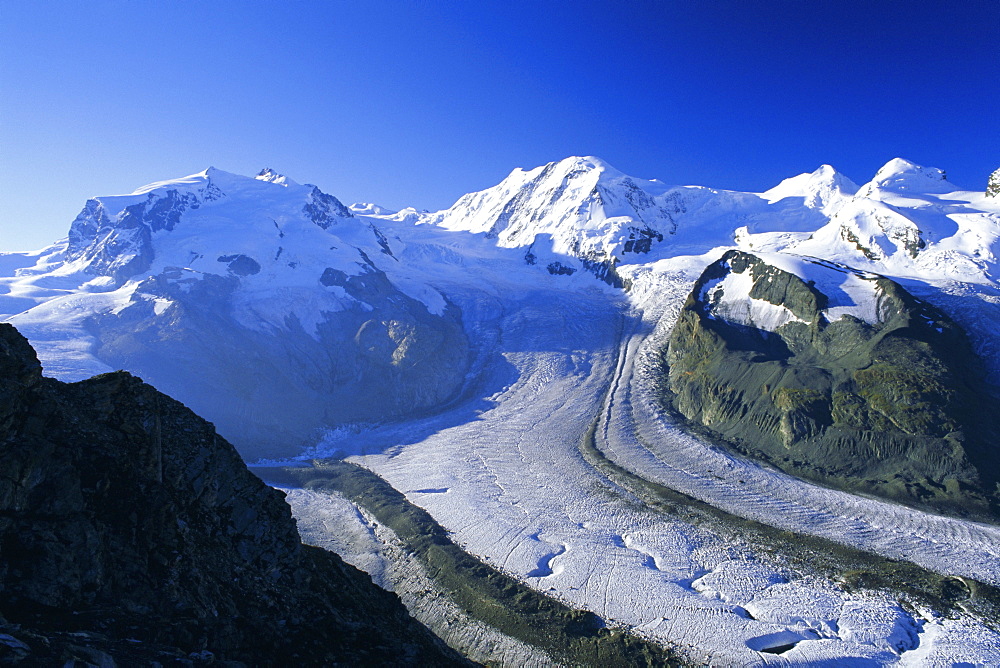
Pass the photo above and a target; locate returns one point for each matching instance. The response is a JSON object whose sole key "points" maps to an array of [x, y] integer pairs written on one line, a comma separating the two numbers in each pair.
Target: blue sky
{"points": [[416, 103]]}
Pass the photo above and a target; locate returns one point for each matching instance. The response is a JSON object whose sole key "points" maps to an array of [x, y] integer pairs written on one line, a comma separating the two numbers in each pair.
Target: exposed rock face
{"points": [[993, 185], [123, 515], [579, 207], [123, 246], [848, 380]]}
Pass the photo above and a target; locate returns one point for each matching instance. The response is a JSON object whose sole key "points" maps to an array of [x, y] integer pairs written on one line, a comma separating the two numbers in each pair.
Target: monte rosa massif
{"points": [[738, 428]]}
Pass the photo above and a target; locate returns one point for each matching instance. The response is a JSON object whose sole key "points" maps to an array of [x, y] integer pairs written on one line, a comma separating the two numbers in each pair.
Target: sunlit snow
{"points": [[557, 352]]}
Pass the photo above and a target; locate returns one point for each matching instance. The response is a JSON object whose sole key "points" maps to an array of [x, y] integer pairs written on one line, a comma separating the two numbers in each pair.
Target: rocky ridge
{"points": [[839, 376], [130, 531], [993, 184]]}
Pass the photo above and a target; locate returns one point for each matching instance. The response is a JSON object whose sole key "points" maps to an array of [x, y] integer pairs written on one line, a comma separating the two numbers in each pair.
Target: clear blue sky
{"points": [[415, 103]]}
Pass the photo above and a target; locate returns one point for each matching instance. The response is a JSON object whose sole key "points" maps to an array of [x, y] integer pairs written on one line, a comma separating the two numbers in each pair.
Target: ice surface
{"points": [[501, 468], [520, 496]]}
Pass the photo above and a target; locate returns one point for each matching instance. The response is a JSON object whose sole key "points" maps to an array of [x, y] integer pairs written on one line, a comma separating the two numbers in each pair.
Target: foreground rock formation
{"points": [[839, 376], [131, 532]]}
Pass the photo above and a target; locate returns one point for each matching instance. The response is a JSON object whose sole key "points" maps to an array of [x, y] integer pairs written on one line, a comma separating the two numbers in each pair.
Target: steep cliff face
{"points": [[127, 521], [837, 375]]}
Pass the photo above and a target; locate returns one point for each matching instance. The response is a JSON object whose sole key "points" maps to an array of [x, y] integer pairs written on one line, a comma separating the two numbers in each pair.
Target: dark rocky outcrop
{"points": [[131, 532], [122, 247], [325, 210], [993, 184], [896, 408]]}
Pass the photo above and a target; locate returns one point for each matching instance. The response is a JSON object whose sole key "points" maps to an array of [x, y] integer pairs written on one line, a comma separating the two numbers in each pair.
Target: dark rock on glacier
{"points": [[887, 398], [241, 265], [131, 532]]}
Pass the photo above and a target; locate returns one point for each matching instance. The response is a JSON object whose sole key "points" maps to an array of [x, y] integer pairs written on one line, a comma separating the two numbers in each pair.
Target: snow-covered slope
{"points": [[847, 292], [279, 313], [266, 305], [277, 260], [581, 213], [579, 206], [909, 221], [824, 190]]}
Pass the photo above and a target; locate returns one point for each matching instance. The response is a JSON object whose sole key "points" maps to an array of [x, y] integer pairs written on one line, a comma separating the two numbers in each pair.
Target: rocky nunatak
{"points": [[853, 382], [131, 532]]}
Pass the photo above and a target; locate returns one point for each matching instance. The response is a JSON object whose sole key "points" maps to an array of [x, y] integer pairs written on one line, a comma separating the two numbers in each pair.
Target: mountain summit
{"points": [[901, 174], [284, 273], [579, 207], [825, 189], [271, 176]]}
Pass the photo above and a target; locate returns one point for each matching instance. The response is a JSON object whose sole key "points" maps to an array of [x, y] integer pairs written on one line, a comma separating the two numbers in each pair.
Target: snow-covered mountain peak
{"points": [[579, 208], [210, 214], [270, 176], [901, 174], [825, 189], [192, 181], [578, 165], [909, 221], [370, 209], [213, 183], [825, 177], [575, 166]]}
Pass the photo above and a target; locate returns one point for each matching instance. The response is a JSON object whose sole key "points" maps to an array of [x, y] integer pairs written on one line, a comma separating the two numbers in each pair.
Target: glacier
{"points": [[516, 299]]}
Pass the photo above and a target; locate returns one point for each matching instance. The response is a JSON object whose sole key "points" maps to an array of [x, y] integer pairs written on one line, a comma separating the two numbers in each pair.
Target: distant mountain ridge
{"points": [[333, 304]]}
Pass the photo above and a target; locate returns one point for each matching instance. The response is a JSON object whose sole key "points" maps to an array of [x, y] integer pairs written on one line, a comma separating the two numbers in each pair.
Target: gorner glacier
{"points": [[478, 357]]}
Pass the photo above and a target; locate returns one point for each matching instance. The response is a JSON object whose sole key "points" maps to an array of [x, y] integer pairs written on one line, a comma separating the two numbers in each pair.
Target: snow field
{"points": [[501, 468]]}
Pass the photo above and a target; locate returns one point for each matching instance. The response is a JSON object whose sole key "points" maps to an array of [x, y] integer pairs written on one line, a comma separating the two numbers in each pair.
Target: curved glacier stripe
{"points": [[521, 497], [646, 442]]}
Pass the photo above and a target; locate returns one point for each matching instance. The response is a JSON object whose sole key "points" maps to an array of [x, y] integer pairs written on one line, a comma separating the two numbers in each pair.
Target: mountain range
{"points": [[303, 327], [334, 304]]}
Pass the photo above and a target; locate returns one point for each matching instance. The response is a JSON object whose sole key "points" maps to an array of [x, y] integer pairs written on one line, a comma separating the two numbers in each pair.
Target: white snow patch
{"points": [[730, 301]]}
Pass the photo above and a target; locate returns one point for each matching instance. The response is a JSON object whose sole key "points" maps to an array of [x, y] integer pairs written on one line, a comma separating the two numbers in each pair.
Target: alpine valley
{"points": [[578, 418]]}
